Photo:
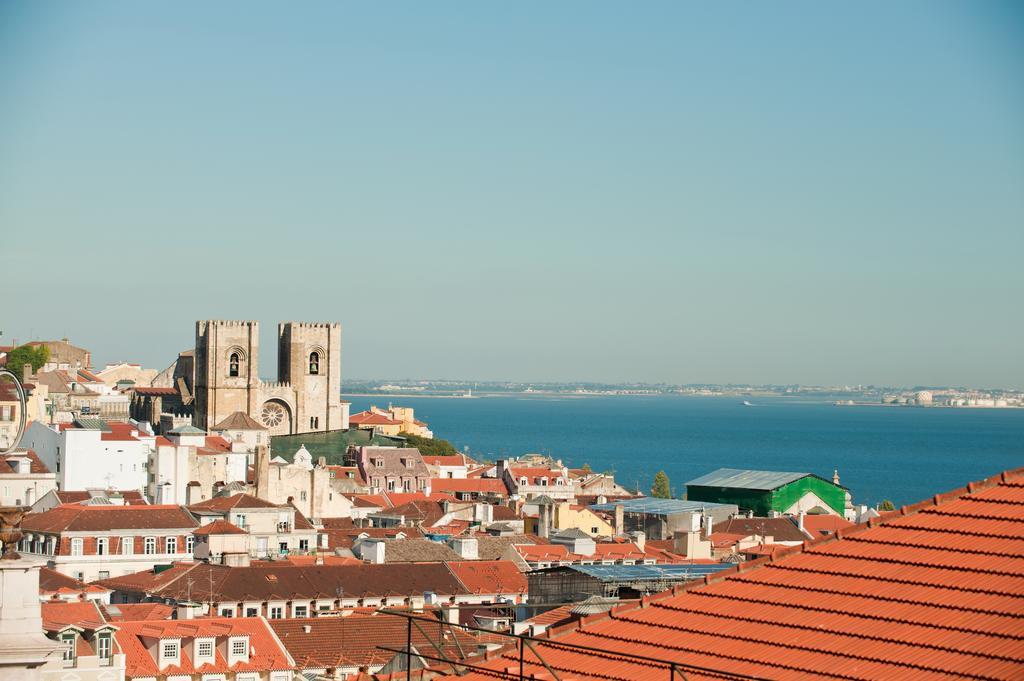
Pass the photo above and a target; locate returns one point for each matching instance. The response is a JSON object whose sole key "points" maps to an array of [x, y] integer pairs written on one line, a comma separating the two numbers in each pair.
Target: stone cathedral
{"points": [[306, 397]]}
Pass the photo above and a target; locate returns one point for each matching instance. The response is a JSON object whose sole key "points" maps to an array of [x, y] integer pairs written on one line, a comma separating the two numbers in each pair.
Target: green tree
{"points": [[661, 489], [887, 506], [429, 447], [36, 355]]}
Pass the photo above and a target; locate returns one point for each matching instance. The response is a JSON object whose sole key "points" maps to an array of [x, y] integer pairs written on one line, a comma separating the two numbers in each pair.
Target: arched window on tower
{"points": [[233, 364], [314, 363]]}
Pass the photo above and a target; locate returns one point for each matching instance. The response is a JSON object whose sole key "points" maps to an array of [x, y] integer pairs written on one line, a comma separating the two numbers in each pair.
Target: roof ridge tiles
{"points": [[916, 563], [758, 661], [851, 613], [818, 627], [919, 545], [784, 644], [915, 582], [1008, 502]]}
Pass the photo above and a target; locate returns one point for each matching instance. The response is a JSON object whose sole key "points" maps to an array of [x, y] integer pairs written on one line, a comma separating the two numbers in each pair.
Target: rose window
{"points": [[272, 415]]}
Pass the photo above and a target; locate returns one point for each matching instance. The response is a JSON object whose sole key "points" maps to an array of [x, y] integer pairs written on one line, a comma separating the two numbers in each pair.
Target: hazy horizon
{"points": [[822, 194]]}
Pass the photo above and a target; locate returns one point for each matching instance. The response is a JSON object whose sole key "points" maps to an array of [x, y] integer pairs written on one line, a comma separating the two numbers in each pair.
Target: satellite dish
{"points": [[13, 411]]}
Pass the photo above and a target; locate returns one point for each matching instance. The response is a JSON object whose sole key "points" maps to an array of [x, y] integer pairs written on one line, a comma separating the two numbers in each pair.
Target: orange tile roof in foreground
{"points": [[931, 591]]}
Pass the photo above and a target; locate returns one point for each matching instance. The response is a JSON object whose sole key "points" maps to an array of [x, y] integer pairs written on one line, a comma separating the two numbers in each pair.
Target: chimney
{"points": [[499, 469], [321, 461], [709, 525], [543, 520], [467, 548], [187, 610], [620, 519], [307, 628], [262, 472], [690, 543], [800, 522], [639, 538]]}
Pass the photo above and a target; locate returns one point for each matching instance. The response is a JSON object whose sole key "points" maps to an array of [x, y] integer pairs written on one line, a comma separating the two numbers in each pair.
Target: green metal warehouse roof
{"points": [[742, 479]]}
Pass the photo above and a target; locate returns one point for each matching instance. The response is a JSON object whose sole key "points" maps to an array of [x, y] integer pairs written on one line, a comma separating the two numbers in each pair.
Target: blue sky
{"points": [[757, 192]]}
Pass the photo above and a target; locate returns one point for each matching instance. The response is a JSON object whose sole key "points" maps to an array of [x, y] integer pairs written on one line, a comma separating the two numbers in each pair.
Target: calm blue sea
{"points": [[902, 454]]}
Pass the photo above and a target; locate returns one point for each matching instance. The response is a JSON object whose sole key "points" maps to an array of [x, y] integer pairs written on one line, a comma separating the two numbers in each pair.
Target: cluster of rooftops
{"points": [[933, 590]]}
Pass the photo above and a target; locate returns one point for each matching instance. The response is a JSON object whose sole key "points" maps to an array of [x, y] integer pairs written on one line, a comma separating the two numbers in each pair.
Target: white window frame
{"points": [[166, 645], [102, 546], [170, 544], [77, 546], [149, 546], [127, 546], [190, 543], [105, 640], [200, 642]]}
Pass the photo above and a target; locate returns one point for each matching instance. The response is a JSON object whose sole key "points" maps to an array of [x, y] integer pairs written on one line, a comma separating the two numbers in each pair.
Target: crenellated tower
{"points": [[309, 359], [226, 370]]}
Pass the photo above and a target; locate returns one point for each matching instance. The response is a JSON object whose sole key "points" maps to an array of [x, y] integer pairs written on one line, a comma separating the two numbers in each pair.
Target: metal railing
{"points": [[674, 670]]}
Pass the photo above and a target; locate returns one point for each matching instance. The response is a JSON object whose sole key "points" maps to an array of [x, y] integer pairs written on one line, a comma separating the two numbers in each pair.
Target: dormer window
{"points": [[233, 364], [170, 651], [238, 649], [104, 648], [524, 481], [204, 650], [379, 463], [558, 482], [314, 363], [67, 640]]}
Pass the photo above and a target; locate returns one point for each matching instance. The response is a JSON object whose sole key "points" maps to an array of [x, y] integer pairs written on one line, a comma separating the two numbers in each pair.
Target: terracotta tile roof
{"points": [[824, 524], [136, 612], [239, 421], [120, 432], [78, 518], [932, 591], [354, 640], [154, 392], [422, 511], [489, 576], [132, 497], [217, 443], [416, 550], [369, 501], [233, 501], [556, 616], [341, 473], [367, 418], [283, 581], [60, 614], [51, 581], [493, 548], [36, 466], [780, 529], [477, 485], [399, 498], [504, 513], [443, 460], [531, 473], [312, 560], [219, 526], [345, 537], [396, 462], [266, 653]]}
